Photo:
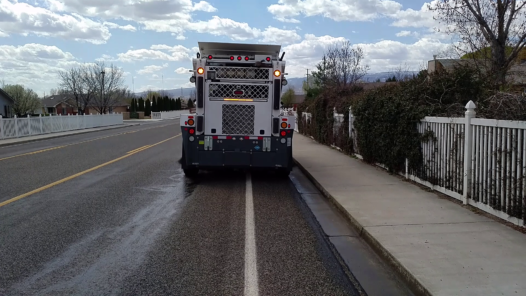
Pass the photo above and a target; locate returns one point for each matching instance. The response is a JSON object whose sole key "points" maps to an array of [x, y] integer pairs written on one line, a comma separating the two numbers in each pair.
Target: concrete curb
{"points": [[62, 136], [410, 280]]}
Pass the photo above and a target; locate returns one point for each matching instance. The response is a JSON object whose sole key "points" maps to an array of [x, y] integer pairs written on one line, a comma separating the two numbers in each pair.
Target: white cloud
{"points": [[338, 10], [174, 16], [279, 36], [156, 52], [182, 70], [204, 6], [307, 53], [152, 69], [407, 34], [22, 18], [34, 65], [380, 56], [116, 26], [131, 10], [422, 18], [2, 34], [223, 26]]}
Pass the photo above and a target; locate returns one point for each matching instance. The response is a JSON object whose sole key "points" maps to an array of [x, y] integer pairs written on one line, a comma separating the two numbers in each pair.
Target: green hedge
{"points": [[386, 118]]}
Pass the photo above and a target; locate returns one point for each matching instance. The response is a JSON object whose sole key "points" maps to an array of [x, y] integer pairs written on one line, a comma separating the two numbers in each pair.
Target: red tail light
{"points": [[238, 92], [210, 57], [268, 59], [191, 131], [283, 133]]}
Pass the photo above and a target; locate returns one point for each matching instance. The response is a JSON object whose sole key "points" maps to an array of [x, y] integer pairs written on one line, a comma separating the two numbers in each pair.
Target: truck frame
{"points": [[238, 120]]}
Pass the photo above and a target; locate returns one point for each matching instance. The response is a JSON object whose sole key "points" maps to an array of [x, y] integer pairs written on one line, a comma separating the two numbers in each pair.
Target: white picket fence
{"points": [[481, 162], [31, 126], [169, 114]]}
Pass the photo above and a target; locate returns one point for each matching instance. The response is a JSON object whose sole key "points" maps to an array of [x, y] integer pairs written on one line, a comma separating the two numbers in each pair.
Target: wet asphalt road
{"points": [[137, 226]]}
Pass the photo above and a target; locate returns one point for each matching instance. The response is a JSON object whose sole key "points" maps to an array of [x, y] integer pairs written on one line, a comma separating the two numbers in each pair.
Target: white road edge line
{"points": [[251, 270]]}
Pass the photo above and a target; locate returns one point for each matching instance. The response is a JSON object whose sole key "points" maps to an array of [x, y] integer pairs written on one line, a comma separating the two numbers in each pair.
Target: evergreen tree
{"points": [[154, 105], [178, 104], [133, 106], [166, 102], [190, 104], [147, 108], [141, 104]]}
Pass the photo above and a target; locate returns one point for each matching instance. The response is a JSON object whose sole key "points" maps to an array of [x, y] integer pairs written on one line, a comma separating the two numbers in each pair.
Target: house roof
{"points": [[2, 92], [53, 101]]}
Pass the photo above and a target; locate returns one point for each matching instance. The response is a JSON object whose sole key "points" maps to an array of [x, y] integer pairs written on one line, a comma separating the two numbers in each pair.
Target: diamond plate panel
{"points": [[240, 73], [238, 119], [218, 91]]}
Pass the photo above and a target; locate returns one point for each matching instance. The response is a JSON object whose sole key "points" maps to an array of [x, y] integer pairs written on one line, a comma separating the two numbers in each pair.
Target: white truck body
{"points": [[238, 89]]}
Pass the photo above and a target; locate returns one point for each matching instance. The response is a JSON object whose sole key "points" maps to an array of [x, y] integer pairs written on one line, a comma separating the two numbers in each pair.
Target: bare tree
{"points": [[342, 65], [26, 100], [401, 72], [107, 87], [499, 25], [77, 83]]}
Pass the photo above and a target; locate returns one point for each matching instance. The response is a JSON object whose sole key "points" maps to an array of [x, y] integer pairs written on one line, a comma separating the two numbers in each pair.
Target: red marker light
{"points": [[268, 59], [283, 133], [246, 58], [231, 58], [191, 131], [239, 58], [210, 57]]}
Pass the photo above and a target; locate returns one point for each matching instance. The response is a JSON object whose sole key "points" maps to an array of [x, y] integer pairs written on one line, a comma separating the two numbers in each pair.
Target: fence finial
{"points": [[470, 105]]}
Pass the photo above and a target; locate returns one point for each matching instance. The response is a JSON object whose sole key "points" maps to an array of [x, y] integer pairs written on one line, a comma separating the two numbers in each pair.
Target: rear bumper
{"points": [[238, 152]]}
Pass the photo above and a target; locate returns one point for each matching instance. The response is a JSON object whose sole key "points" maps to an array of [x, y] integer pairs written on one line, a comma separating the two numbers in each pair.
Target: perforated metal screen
{"points": [[238, 119], [219, 91], [240, 73]]}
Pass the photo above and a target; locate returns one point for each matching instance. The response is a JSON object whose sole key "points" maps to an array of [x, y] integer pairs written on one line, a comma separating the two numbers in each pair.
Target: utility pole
{"points": [[308, 84], [101, 92]]}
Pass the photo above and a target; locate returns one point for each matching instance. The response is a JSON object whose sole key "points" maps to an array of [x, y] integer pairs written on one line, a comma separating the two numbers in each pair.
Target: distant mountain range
{"points": [[295, 83]]}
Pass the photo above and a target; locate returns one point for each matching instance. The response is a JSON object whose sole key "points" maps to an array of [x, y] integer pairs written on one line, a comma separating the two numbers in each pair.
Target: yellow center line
{"points": [[82, 173], [139, 149], [83, 142]]}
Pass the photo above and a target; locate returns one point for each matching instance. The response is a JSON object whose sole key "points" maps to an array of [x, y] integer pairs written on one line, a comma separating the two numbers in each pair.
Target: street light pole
{"points": [[102, 88]]}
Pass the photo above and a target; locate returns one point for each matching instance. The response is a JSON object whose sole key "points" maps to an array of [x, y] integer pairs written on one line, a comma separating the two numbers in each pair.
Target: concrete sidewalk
{"points": [[439, 247], [21, 140]]}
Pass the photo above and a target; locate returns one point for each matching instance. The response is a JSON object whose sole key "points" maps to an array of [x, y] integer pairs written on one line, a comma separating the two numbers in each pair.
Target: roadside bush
{"points": [[386, 118]]}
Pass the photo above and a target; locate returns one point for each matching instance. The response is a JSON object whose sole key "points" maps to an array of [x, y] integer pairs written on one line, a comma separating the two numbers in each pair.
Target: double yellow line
{"points": [[87, 141], [128, 154]]}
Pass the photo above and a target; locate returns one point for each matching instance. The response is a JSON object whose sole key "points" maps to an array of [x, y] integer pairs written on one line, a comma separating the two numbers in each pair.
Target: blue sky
{"points": [[153, 41]]}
